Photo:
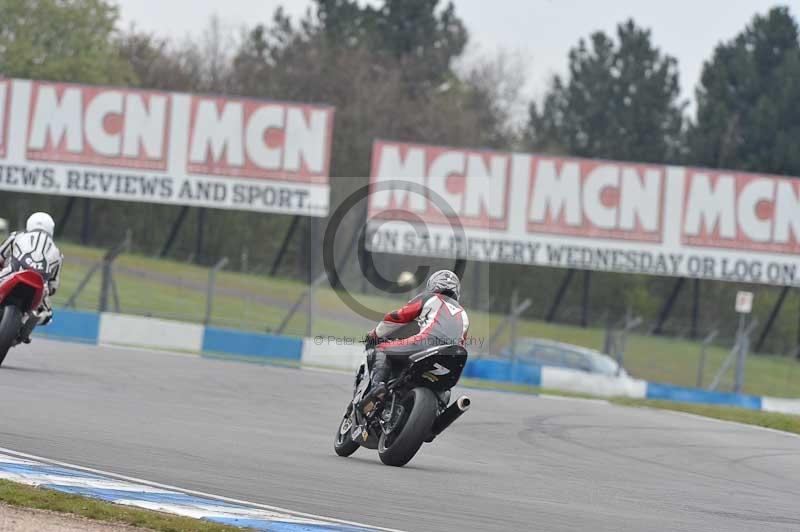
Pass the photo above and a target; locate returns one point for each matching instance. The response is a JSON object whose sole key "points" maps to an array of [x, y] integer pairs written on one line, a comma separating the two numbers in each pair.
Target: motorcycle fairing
{"points": [[25, 288], [438, 367]]}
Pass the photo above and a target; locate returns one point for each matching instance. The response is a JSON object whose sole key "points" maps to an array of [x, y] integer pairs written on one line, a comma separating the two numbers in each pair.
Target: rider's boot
{"points": [[375, 395]]}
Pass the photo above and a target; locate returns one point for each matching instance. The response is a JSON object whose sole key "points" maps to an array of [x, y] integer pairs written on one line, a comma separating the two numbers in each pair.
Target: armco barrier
{"points": [[555, 378], [503, 371], [139, 331], [325, 352], [73, 325], [670, 392], [783, 406], [601, 385], [89, 327], [251, 344]]}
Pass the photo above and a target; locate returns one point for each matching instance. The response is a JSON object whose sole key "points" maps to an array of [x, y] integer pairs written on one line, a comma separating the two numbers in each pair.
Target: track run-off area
{"points": [[264, 434]]}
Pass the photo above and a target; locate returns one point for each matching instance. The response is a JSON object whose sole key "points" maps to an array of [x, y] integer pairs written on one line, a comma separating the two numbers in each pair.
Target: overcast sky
{"points": [[540, 31]]}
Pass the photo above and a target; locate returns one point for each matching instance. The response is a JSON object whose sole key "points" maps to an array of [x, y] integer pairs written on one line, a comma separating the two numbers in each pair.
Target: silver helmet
{"points": [[444, 281]]}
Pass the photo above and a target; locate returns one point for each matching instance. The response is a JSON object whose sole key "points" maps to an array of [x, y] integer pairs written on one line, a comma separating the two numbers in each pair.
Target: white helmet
{"points": [[444, 281], [41, 221]]}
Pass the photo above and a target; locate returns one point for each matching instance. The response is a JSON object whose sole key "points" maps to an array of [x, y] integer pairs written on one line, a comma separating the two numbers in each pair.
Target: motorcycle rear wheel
{"points": [[343, 444], [397, 449], [9, 329]]}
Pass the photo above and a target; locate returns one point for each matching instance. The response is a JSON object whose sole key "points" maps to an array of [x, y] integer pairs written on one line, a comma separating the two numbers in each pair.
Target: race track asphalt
{"points": [[513, 463]]}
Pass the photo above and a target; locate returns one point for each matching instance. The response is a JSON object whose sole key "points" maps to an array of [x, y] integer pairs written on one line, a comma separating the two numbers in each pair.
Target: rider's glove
{"points": [[371, 340]]}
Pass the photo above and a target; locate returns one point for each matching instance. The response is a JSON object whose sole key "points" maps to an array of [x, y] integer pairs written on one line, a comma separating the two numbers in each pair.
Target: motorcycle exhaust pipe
{"points": [[450, 414]]}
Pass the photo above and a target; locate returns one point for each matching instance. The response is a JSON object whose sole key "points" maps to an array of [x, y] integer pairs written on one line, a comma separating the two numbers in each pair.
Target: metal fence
{"points": [[716, 355]]}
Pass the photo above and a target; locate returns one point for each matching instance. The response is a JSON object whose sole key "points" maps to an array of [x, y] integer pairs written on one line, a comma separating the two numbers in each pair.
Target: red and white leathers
{"points": [[39, 247], [441, 320]]}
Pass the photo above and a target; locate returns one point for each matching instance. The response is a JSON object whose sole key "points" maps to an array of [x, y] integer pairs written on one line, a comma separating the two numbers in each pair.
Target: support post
{"points": [[514, 312], [284, 245], [621, 344], [663, 315], [107, 286], [313, 245], [66, 216], [734, 354], [364, 260], [701, 366], [513, 343], [115, 294], [773, 314], [744, 344], [199, 245], [88, 277], [296, 305], [587, 279], [86, 222], [212, 282], [798, 330], [173, 231], [340, 265], [695, 308], [476, 284], [343, 262], [562, 289], [609, 345], [364, 265], [798, 327]]}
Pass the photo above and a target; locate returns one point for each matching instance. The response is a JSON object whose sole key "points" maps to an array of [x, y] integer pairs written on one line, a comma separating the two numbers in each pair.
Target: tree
{"points": [[425, 40], [381, 87], [155, 62], [61, 40], [621, 101], [748, 115], [422, 35], [366, 76]]}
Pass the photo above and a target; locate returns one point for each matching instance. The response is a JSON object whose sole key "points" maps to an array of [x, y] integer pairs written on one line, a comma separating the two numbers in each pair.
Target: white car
{"points": [[561, 355]]}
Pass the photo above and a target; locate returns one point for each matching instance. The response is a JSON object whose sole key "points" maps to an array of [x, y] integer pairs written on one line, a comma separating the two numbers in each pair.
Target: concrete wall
{"points": [[324, 352], [155, 333]]}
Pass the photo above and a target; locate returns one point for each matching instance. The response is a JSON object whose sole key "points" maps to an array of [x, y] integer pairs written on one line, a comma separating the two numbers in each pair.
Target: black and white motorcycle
{"points": [[413, 410]]}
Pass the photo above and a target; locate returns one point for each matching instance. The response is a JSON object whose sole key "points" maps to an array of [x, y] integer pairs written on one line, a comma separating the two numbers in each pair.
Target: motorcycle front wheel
{"points": [[402, 443], [9, 329], [343, 444]]}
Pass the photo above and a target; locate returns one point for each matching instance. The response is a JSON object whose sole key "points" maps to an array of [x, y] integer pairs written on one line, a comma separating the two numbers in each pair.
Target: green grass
{"points": [[652, 358], [44, 499], [772, 420], [675, 361]]}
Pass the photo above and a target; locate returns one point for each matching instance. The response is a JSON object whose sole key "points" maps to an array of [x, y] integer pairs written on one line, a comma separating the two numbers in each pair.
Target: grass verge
{"points": [[26, 496], [770, 420]]}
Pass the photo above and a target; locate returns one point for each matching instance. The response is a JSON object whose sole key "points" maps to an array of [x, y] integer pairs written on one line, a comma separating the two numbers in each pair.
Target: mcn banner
{"points": [[586, 214], [159, 147]]}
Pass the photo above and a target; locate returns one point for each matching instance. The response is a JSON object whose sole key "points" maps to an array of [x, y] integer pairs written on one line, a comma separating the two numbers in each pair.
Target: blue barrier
{"points": [[75, 325], [81, 326], [217, 340], [669, 392], [503, 371]]}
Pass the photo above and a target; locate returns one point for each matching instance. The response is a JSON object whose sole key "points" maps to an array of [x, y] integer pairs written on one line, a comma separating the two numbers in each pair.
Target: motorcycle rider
{"points": [[35, 244], [439, 320]]}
